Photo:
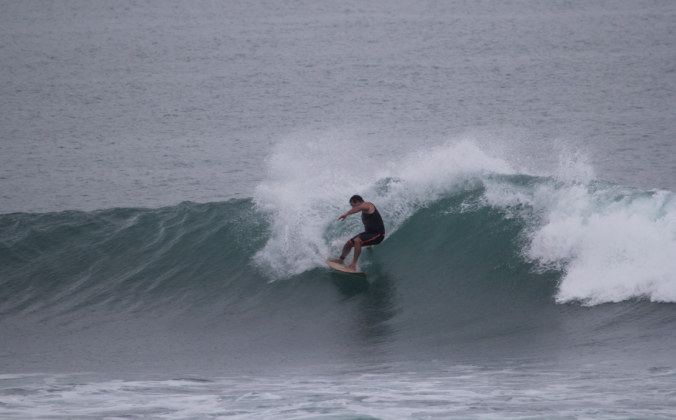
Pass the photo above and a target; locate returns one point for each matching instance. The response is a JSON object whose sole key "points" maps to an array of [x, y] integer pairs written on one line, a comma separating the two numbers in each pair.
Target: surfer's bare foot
{"points": [[352, 267], [339, 261]]}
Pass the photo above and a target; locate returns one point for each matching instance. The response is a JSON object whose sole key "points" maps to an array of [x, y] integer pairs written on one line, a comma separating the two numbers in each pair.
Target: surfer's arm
{"points": [[356, 209]]}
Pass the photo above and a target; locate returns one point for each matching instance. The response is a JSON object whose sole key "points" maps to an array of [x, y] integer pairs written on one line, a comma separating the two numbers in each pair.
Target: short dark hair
{"points": [[356, 199]]}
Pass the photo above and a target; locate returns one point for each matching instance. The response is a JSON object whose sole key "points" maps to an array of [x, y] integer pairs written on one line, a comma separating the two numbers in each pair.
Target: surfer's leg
{"points": [[346, 251], [357, 251]]}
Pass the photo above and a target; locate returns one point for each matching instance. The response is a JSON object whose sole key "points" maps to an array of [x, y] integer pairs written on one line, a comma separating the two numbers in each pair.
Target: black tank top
{"points": [[373, 223]]}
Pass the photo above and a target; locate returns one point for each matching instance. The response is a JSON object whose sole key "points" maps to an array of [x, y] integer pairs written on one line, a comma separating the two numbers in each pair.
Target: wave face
{"points": [[475, 250], [126, 257]]}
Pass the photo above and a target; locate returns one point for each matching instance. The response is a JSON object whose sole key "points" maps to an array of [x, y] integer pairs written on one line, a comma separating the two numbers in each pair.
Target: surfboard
{"points": [[343, 269]]}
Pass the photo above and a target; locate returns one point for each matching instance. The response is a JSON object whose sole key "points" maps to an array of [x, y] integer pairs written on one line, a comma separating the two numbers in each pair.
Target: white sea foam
{"points": [[612, 243], [309, 182], [618, 247], [305, 191]]}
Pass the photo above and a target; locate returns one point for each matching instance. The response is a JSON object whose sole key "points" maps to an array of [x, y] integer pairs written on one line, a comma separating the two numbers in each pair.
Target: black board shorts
{"points": [[369, 239]]}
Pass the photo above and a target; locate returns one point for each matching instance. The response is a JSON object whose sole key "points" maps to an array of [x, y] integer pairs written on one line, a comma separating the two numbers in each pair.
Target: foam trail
{"points": [[309, 182]]}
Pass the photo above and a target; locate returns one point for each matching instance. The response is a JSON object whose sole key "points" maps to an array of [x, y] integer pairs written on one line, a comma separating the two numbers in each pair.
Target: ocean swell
{"points": [[597, 241]]}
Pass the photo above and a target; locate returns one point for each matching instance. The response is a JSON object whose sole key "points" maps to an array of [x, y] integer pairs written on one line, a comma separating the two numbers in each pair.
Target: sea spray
{"points": [[306, 189], [309, 182]]}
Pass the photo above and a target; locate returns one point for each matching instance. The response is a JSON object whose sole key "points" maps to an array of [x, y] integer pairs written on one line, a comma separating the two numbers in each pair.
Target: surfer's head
{"points": [[356, 199]]}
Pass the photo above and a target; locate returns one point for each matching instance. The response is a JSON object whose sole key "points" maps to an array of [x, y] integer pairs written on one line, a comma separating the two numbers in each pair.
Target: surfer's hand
{"points": [[342, 217]]}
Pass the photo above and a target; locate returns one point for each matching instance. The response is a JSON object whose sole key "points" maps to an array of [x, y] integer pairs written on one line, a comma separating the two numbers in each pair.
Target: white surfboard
{"points": [[343, 269]]}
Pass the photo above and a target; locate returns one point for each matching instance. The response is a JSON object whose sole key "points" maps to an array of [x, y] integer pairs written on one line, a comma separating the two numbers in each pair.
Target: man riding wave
{"points": [[373, 226]]}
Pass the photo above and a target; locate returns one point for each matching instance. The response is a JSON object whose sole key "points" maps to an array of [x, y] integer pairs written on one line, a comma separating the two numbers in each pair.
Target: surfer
{"points": [[373, 226]]}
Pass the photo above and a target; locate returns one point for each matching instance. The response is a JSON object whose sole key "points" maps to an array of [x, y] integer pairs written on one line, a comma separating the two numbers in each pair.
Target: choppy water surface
{"points": [[448, 392]]}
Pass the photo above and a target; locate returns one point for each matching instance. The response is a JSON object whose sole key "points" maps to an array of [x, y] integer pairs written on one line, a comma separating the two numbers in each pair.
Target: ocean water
{"points": [[171, 174]]}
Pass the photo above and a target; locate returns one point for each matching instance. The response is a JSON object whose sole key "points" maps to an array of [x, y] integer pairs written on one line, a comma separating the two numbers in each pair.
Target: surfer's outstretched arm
{"points": [[356, 208]]}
